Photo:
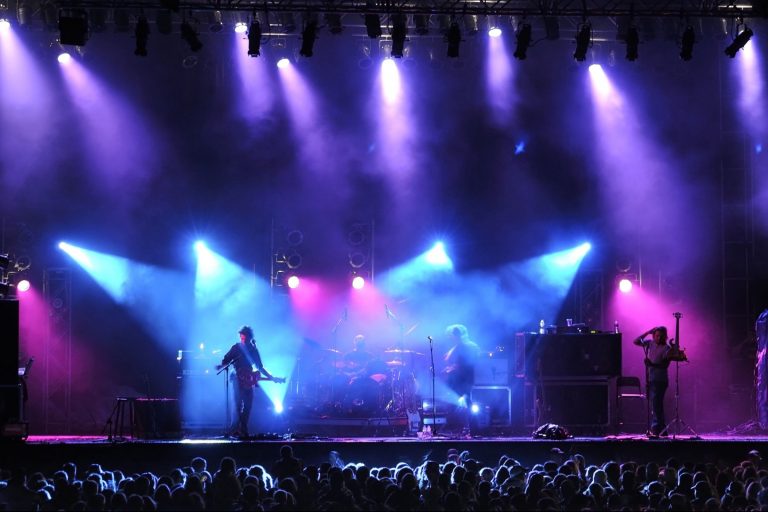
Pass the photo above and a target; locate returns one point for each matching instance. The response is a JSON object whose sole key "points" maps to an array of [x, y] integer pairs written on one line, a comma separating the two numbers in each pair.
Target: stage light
{"points": [[216, 24], [73, 27], [523, 40], [23, 285], [470, 24], [437, 255], [278, 407], [333, 20], [399, 31], [633, 39], [583, 40], [189, 34], [421, 24], [358, 282], [739, 42], [454, 40], [625, 285], [686, 44], [254, 39], [283, 63], [373, 25], [293, 282], [241, 27], [494, 30], [64, 58], [142, 34], [5, 25], [308, 37], [475, 409]]}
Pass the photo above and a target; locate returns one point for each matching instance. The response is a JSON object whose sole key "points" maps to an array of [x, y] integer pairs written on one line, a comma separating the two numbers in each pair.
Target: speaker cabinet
{"points": [[562, 356], [496, 400], [579, 403], [9, 342], [157, 418]]}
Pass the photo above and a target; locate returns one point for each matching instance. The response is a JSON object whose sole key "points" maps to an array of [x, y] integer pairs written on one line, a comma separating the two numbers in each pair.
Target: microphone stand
{"points": [[432, 369], [225, 369]]}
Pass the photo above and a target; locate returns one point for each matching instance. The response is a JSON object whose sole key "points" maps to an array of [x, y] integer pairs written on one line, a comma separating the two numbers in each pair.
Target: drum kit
{"points": [[384, 386]]}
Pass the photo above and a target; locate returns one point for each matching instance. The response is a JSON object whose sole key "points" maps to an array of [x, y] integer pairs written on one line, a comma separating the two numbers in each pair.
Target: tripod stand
{"points": [[677, 426]]}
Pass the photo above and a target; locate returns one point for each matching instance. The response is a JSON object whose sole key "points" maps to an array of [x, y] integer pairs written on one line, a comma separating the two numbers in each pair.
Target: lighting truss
{"points": [[595, 8]]}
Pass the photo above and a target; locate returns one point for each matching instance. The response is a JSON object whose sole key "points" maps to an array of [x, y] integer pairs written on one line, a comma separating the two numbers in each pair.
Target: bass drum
{"points": [[363, 397]]}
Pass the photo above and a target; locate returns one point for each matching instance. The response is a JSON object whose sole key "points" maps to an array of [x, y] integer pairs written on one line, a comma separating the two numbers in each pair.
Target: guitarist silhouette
{"points": [[249, 370]]}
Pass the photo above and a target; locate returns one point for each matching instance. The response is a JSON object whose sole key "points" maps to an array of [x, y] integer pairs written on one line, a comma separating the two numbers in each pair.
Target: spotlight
{"points": [[625, 285], [523, 41], [241, 27], [216, 24], [23, 285], [254, 39], [5, 25], [293, 282], [142, 34], [189, 34], [73, 27], [633, 39], [358, 282], [454, 40], [373, 25], [739, 42], [583, 40], [308, 37], [64, 58], [686, 45], [399, 31], [283, 63], [421, 22], [494, 30]]}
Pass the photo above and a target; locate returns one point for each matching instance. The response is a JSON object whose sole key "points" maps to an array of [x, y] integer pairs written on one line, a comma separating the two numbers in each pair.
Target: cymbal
{"points": [[395, 363], [402, 351]]}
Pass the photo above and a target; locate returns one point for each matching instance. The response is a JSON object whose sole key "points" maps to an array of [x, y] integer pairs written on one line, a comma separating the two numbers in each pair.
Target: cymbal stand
{"points": [[680, 425]]}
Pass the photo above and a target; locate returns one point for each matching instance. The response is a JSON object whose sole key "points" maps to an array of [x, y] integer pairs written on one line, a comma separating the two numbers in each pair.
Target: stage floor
{"points": [[47, 453]]}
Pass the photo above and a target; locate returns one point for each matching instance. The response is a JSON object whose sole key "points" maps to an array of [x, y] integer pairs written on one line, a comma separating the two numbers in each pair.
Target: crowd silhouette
{"points": [[457, 483]]}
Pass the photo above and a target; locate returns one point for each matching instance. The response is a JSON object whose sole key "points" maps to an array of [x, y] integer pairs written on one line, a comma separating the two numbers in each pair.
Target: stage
{"points": [[47, 453]]}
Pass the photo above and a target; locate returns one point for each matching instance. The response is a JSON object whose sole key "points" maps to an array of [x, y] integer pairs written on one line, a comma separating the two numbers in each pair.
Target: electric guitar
{"points": [[248, 379], [675, 352]]}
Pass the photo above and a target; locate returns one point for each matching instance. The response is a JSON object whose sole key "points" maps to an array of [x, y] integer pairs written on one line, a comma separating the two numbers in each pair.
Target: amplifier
{"points": [[497, 400], [157, 418], [561, 356]]}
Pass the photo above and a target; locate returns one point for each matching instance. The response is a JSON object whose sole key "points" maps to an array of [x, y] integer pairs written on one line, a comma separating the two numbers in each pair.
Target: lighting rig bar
{"points": [[564, 8]]}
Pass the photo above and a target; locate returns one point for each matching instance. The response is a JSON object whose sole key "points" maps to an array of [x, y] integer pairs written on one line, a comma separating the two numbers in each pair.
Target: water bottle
{"points": [[541, 326], [616, 327]]}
